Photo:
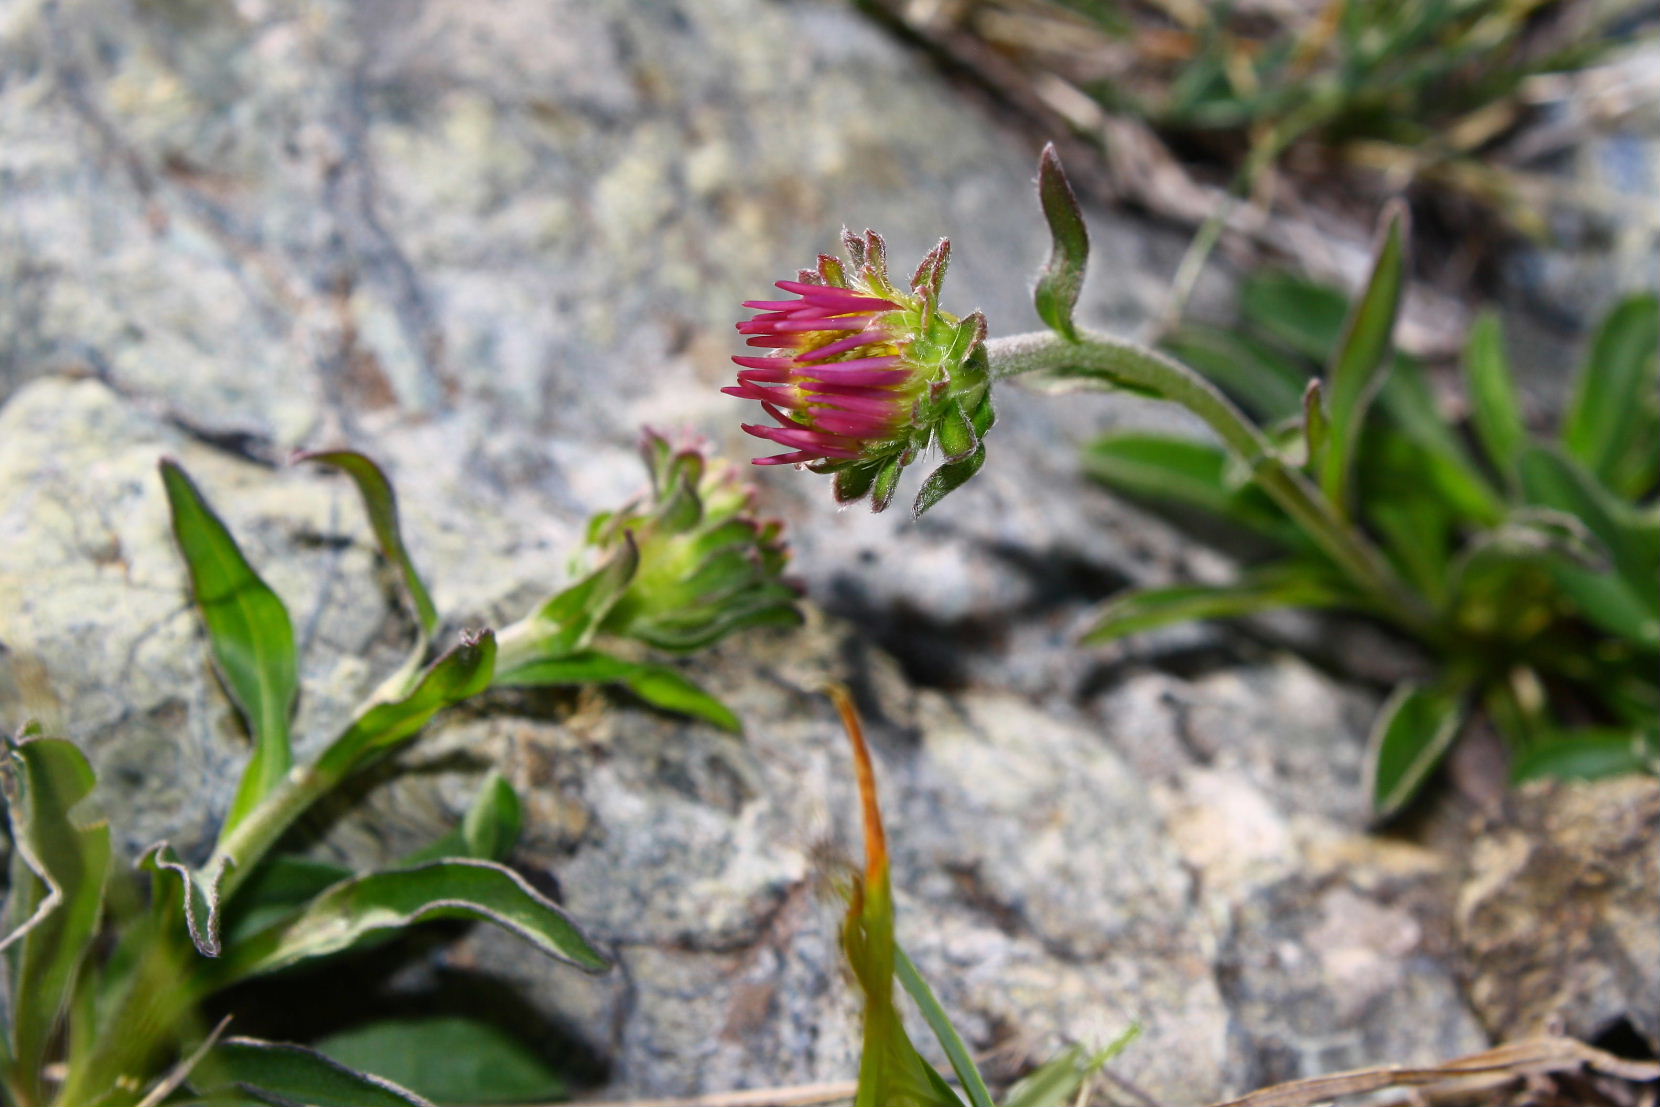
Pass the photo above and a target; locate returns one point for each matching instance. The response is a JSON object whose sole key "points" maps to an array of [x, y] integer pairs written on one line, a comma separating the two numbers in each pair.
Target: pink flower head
{"points": [[863, 375]]}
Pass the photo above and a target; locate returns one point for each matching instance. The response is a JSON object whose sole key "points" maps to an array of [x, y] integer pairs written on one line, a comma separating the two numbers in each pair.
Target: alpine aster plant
{"points": [[866, 376]]}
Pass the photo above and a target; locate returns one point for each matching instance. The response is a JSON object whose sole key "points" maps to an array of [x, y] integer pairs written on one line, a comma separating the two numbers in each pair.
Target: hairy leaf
{"points": [[362, 907], [381, 505], [1062, 277], [461, 673]]}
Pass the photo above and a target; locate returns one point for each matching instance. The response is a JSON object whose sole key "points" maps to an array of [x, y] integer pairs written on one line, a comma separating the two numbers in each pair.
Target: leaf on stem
{"points": [[381, 505], [1062, 277], [250, 632], [489, 830], [1362, 357], [461, 673], [360, 908], [1495, 408], [450, 1059], [570, 618], [279, 1073], [1282, 586], [1058, 1082], [199, 896], [1616, 388], [59, 868], [1411, 734], [659, 685]]}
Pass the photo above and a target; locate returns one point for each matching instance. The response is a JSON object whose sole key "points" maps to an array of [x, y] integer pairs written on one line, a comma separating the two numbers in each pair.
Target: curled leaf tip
{"points": [[876, 839]]}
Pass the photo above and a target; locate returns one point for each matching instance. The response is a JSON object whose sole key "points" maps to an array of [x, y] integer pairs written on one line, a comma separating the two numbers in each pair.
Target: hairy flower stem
{"points": [[1102, 361]]}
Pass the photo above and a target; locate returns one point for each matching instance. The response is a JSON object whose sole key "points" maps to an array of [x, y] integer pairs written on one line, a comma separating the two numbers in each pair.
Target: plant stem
{"points": [[1104, 361]]}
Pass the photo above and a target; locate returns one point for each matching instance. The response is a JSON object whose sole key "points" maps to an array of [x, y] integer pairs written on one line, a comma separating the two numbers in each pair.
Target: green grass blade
{"points": [[956, 1050], [250, 633]]}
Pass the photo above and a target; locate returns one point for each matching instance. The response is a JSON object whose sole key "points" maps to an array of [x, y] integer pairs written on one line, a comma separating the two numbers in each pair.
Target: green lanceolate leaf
{"points": [[282, 1074], [489, 830], [1186, 472], [956, 1050], [1058, 1082], [381, 505], [449, 1059], [1284, 586], [280, 886], [59, 869], [1305, 316], [1588, 753], [658, 685], [1626, 602], [461, 673], [1363, 356], [1063, 276], [1316, 425], [366, 906], [1409, 737], [1616, 386], [1494, 406], [1264, 381], [251, 635]]}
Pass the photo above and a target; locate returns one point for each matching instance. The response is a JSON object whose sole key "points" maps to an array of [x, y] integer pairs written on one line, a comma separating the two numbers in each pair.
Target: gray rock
{"points": [[484, 242]]}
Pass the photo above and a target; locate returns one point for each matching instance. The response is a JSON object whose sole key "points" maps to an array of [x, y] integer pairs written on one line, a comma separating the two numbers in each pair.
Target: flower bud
{"points": [[864, 376], [706, 565]]}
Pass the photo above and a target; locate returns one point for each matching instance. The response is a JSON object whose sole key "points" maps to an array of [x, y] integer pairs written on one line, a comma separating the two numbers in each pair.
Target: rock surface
{"points": [[484, 242]]}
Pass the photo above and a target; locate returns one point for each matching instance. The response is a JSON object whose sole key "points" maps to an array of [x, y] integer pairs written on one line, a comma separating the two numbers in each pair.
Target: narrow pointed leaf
{"points": [[59, 870], [1144, 609], [1616, 384], [1445, 464], [1363, 355], [1062, 277], [1188, 473], [461, 673], [1494, 406], [358, 909], [1588, 754], [891, 1072], [489, 830], [250, 632], [1306, 317], [1316, 426], [956, 1050], [381, 505], [1409, 737], [1058, 1082], [1259, 378], [946, 480], [658, 685], [886, 483], [282, 1074]]}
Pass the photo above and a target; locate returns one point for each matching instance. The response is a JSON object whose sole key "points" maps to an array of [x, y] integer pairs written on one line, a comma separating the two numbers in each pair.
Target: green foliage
{"points": [[1528, 570], [1062, 278], [891, 1071], [87, 1017]]}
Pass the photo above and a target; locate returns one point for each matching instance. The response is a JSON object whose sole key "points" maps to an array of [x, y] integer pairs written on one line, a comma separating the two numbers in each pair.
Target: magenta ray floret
{"points": [[863, 376]]}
